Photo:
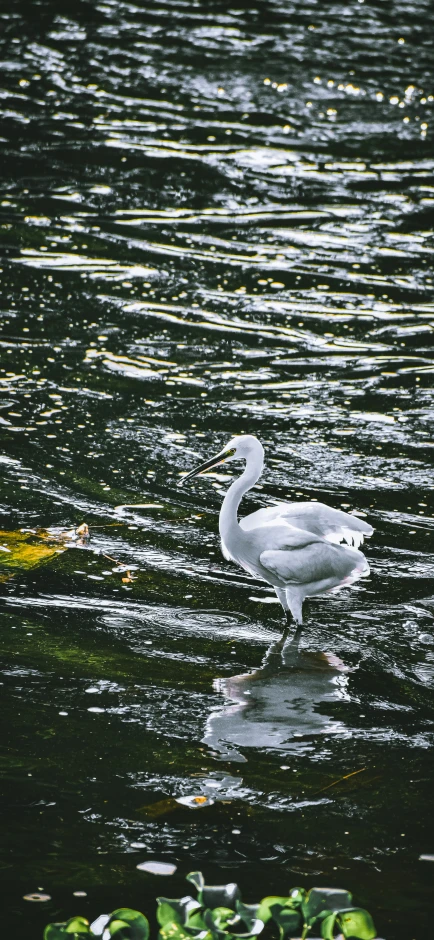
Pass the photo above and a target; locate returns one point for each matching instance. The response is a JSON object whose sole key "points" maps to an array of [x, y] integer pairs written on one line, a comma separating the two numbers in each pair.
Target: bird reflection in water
{"points": [[282, 705]]}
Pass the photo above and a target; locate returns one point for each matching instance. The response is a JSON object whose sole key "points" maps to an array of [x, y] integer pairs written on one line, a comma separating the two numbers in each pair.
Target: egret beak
{"points": [[220, 458]]}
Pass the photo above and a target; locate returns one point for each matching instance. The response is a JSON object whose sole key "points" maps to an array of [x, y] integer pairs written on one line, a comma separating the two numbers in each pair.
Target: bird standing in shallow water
{"points": [[295, 547]]}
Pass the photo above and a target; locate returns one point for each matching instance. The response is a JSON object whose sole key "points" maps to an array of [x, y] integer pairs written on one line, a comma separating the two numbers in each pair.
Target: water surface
{"points": [[214, 221]]}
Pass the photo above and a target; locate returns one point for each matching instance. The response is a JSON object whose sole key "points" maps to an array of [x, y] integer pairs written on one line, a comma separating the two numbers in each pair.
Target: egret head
{"points": [[239, 448]]}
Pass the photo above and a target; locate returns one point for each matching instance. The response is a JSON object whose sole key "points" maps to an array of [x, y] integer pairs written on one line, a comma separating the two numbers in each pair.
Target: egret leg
{"points": [[281, 594], [283, 598], [294, 602]]}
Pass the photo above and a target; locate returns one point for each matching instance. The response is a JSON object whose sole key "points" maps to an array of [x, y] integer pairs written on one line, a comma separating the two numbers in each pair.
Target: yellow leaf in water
{"points": [[128, 578], [200, 799]]}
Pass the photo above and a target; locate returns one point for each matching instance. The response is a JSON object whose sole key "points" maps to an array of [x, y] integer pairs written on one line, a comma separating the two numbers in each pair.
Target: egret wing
{"points": [[331, 524], [310, 561], [261, 517]]}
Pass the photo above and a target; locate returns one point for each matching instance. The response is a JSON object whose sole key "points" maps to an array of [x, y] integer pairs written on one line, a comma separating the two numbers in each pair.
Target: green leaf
{"points": [[55, 932], [218, 920], [220, 896], [320, 901], [73, 929], [195, 922], [212, 929], [119, 929], [264, 908], [212, 896], [352, 923], [224, 917], [172, 910], [296, 897], [255, 929], [288, 920], [174, 931], [78, 926], [248, 913], [196, 878], [328, 926], [126, 924]]}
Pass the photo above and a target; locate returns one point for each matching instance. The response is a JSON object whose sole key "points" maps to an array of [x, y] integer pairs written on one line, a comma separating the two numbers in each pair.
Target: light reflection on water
{"points": [[214, 222]]}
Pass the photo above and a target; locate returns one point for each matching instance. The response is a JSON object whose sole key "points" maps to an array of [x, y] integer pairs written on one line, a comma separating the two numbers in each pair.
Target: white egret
{"points": [[295, 547]]}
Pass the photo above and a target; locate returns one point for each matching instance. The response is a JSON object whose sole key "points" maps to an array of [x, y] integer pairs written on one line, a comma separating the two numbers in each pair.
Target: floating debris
{"points": [[138, 506], [195, 802], [36, 896], [82, 532], [157, 868]]}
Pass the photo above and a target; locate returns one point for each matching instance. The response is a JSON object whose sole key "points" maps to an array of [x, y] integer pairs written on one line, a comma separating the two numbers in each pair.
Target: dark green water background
{"points": [[215, 218]]}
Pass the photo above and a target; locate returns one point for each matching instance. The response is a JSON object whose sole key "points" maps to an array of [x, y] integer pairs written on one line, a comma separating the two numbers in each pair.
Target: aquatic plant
{"points": [[217, 913]]}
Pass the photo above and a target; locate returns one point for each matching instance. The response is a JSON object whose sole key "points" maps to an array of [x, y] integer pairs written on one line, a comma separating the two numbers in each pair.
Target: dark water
{"points": [[215, 218]]}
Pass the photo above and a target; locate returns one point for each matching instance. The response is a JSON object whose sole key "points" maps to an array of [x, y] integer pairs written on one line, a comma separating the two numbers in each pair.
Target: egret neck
{"points": [[230, 531]]}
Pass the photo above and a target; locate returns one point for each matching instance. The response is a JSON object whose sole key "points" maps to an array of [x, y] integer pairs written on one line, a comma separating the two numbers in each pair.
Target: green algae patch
{"points": [[24, 550]]}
